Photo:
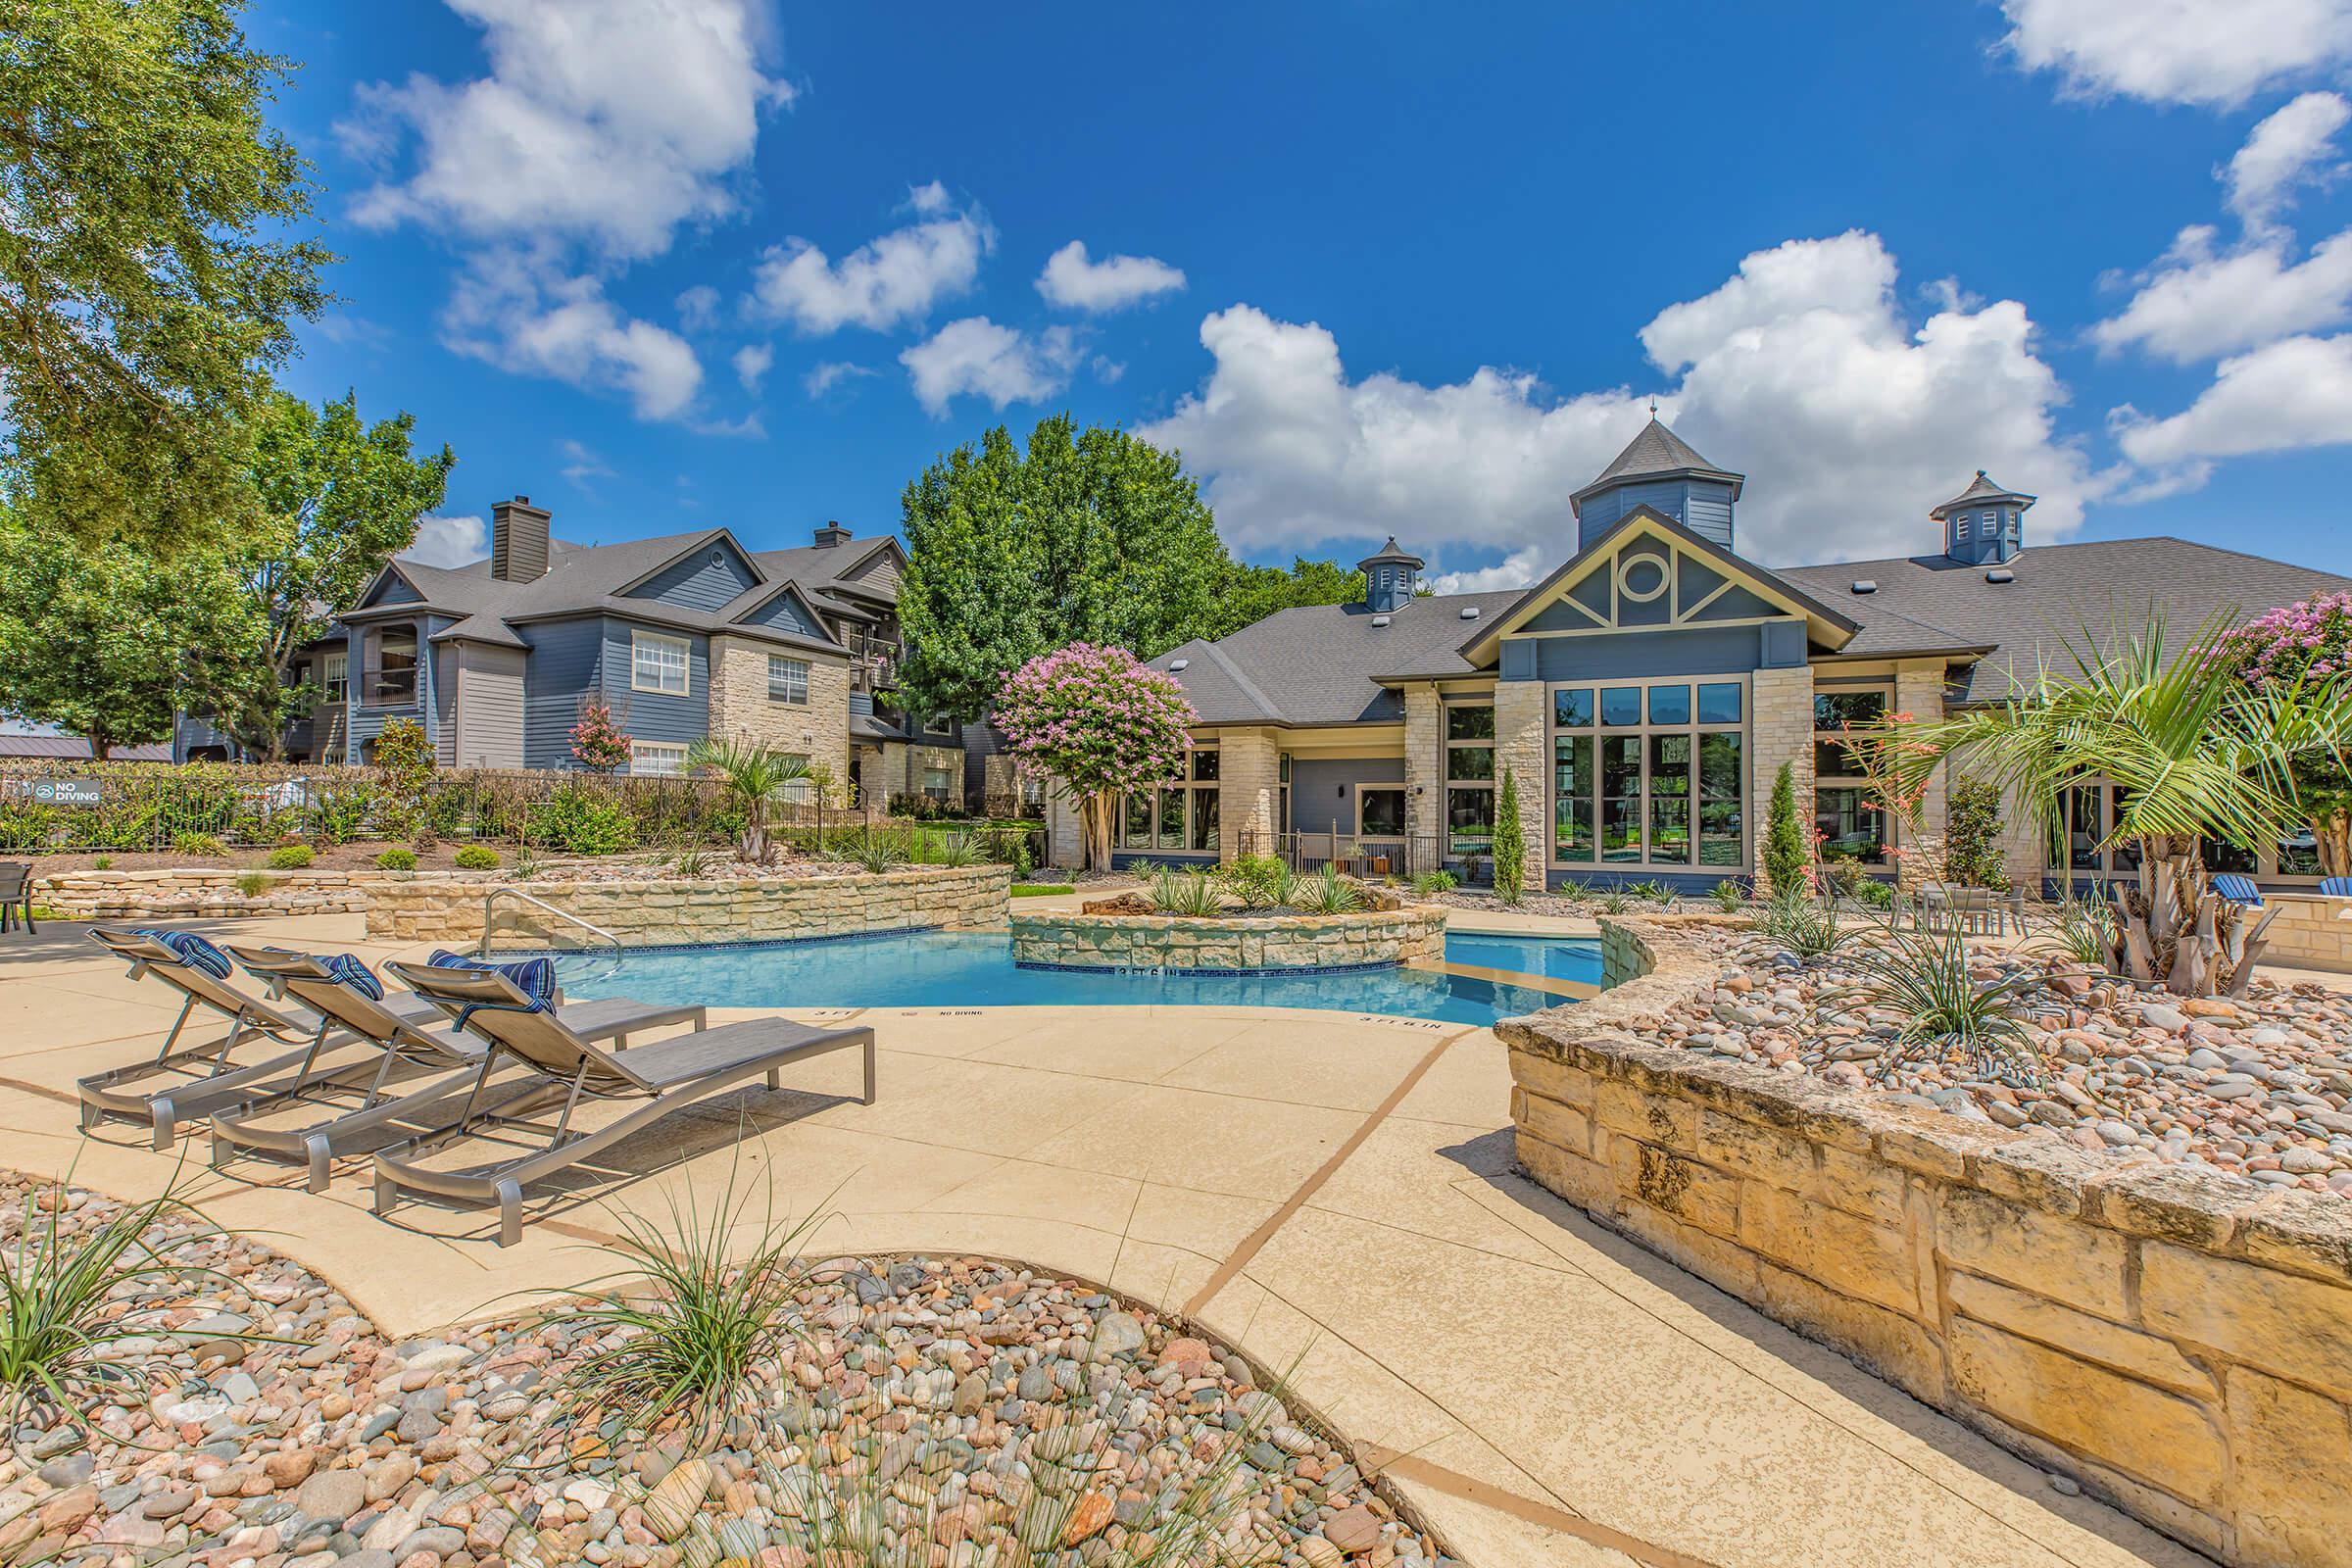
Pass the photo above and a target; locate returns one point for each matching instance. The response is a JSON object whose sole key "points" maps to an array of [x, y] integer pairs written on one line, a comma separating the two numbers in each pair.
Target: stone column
{"points": [[1424, 769], [1065, 845], [1522, 726], [1780, 729], [1248, 785], [1919, 692]]}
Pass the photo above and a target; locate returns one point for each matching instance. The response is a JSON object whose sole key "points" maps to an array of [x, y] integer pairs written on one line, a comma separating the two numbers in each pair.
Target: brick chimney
{"points": [[518, 540], [831, 534]]}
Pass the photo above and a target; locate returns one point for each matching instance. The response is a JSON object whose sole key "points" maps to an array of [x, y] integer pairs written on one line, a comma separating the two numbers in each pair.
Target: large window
{"points": [[1179, 817], [1380, 810], [657, 759], [1851, 823], [391, 668], [787, 680], [1649, 775], [2089, 810], [334, 674], [1469, 778], [935, 785], [657, 663]]}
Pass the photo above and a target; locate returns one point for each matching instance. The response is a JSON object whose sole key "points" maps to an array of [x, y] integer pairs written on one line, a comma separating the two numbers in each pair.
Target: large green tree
{"points": [[1252, 592], [149, 264]]}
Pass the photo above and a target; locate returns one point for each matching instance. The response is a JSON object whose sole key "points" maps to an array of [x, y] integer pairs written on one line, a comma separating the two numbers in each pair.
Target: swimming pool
{"points": [[975, 969]]}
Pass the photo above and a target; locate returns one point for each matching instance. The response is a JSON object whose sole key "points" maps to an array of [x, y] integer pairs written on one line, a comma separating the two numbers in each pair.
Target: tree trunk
{"points": [[2333, 833], [2171, 929], [1094, 826]]}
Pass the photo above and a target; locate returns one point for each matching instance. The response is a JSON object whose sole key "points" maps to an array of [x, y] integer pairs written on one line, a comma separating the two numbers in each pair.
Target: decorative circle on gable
{"points": [[1642, 579]]}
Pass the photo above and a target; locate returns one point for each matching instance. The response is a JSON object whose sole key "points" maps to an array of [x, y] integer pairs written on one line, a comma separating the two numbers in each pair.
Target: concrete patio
{"points": [[1329, 1192]]}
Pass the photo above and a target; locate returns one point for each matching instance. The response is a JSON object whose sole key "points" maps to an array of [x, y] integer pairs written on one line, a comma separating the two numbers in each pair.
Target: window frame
{"points": [[1891, 827], [642, 642], [637, 746], [1448, 743], [788, 663], [1643, 734], [1193, 818], [1375, 786], [334, 674]]}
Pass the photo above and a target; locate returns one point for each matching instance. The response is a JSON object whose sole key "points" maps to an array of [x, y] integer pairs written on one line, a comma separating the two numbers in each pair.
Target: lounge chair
{"points": [[16, 892], [2336, 887], [182, 1083], [556, 1063], [2238, 888], [350, 1117]]}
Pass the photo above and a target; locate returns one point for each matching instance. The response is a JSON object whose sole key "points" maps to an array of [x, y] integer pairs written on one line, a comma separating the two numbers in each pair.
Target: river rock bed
{"points": [[2260, 1085], [967, 1397]]}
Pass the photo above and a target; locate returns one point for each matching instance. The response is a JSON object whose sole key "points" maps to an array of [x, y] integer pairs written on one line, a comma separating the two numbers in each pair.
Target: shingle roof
{"points": [[1392, 551], [1319, 665], [1656, 451], [1978, 489]]}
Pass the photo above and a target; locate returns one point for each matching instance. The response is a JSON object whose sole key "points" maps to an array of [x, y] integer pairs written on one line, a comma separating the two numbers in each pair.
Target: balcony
{"points": [[388, 688]]}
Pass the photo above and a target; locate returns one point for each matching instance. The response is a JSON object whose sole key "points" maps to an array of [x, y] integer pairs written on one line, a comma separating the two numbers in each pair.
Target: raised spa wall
{"points": [[1258, 942], [2177, 1339], [673, 911]]}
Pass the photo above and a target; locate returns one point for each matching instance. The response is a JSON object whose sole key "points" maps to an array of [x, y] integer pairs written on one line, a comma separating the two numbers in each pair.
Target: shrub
{"points": [[405, 761], [952, 849], [598, 742], [1511, 841], [1186, 893], [103, 862], [1434, 882], [1874, 894], [877, 851], [1784, 855], [203, 846], [397, 860], [1259, 881], [1972, 852], [476, 858], [1806, 926], [582, 820], [253, 884], [1923, 977], [1329, 893], [290, 857], [1729, 895]]}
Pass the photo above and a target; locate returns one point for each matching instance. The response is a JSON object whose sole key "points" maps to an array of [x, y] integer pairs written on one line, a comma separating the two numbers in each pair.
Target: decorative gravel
{"points": [[2261, 1085], [958, 1385]]}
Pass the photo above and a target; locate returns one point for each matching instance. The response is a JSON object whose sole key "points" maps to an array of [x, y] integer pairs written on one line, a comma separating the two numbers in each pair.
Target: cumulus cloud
{"points": [[831, 373], [448, 541], [1800, 370], [610, 122], [1112, 283], [2291, 148], [751, 364], [2293, 393], [997, 362], [1517, 569], [519, 312], [2214, 52], [698, 307], [886, 281], [2201, 301]]}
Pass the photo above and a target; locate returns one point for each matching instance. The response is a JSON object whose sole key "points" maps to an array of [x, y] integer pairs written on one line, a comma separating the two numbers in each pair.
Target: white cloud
{"points": [[581, 462], [448, 541], [2200, 303], [886, 281], [2217, 51], [977, 356], [520, 313], [698, 307], [2287, 150], [751, 364], [1110, 284], [832, 373], [1517, 569], [608, 121], [2286, 395], [1800, 370]]}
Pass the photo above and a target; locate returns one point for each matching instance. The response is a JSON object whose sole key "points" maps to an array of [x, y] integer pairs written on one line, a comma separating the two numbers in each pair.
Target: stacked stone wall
{"points": [[1271, 941]]}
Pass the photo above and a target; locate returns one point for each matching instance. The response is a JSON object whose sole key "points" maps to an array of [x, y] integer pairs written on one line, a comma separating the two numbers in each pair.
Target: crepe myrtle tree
{"points": [[1101, 722], [2299, 644]]}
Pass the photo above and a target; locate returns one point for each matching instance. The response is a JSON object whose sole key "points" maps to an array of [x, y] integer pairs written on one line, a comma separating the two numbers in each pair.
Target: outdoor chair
{"points": [[16, 892], [2238, 889], [1971, 912], [180, 1083], [347, 1116], [555, 1063], [2336, 887]]}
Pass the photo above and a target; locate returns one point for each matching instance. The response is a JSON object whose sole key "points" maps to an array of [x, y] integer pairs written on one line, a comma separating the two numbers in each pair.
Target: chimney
{"points": [[831, 534], [518, 540]]}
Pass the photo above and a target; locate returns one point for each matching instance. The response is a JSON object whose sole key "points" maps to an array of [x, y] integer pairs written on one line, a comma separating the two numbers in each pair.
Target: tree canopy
{"points": [[1099, 722], [148, 276], [1087, 536]]}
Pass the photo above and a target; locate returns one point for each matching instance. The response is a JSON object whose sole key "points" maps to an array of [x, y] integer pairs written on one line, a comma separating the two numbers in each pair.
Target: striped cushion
{"points": [[535, 978], [351, 973], [192, 950]]}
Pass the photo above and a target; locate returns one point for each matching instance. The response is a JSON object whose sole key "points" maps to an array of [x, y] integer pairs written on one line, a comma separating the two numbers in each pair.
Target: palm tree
{"points": [[752, 775], [2193, 755]]}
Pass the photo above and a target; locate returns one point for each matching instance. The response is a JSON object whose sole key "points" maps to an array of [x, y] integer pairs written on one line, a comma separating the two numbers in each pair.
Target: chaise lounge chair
{"points": [[182, 1083], [348, 1116], [557, 1063]]}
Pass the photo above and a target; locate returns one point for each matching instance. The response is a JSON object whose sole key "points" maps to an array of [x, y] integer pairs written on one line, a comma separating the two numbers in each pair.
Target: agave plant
{"points": [[1729, 895], [1328, 893], [1924, 978], [751, 777], [1186, 893], [2084, 930], [1615, 900], [1806, 926], [877, 851], [954, 849]]}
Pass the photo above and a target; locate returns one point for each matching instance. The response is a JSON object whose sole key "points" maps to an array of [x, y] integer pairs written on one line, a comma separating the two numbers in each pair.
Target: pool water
{"points": [[975, 969]]}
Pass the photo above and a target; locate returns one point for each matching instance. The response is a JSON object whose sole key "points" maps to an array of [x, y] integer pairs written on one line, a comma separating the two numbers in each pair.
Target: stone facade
{"points": [[149, 894], [2179, 1341], [1262, 942], [1919, 692], [1780, 730], [2306, 933], [897, 768], [742, 709], [1248, 790], [1522, 744], [663, 912], [1424, 760]]}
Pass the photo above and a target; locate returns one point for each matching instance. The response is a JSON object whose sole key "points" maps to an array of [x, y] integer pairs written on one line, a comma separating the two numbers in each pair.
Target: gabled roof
{"points": [[1657, 453]]}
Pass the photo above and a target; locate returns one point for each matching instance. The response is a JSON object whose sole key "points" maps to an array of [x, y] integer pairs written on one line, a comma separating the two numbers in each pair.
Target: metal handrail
{"points": [[490, 905]]}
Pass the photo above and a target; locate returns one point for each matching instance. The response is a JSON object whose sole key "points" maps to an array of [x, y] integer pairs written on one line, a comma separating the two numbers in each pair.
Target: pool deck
{"points": [[1331, 1191]]}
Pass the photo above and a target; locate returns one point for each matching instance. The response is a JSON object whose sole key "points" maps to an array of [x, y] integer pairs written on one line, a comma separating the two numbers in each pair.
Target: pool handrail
{"points": [[490, 905]]}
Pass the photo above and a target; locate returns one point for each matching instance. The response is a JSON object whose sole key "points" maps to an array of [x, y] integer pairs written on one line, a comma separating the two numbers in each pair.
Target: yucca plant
{"points": [[1729, 895], [1923, 977], [1328, 893], [751, 777], [1186, 893], [1614, 901], [877, 851], [691, 860], [1806, 926], [954, 850], [2084, 930]]}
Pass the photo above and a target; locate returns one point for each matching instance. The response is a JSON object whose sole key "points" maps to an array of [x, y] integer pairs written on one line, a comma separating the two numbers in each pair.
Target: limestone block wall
{"points": [[1523, 742], [2306, 934], [150, 894], [1781, 730], [663, 911], [1424, 745], [742, 709], [1248, 790], [2178, 1339], [1269, 941], [1919, 692]]}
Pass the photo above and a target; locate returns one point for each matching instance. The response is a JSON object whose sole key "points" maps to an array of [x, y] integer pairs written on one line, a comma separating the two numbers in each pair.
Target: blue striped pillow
{"points": [[193, 951], [351, 973], [535, 978]]}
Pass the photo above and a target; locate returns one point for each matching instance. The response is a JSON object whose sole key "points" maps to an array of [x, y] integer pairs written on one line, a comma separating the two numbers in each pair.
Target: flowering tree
{"points": [[1099, 722], [2294, 644], [598, 740]]}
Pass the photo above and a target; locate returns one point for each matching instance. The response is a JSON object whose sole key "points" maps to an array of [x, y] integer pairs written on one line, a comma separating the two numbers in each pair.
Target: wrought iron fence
{"points": [[1365, 854]]}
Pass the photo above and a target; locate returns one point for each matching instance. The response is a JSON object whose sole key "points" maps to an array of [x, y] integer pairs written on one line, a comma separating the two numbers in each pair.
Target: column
{"points": [[1424, 772], [1780, 730], [1522, 733], [1248, 785], [1919, 692]]}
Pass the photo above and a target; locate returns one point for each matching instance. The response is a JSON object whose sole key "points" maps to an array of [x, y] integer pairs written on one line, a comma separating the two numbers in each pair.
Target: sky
{"points": [[1372, 268]]}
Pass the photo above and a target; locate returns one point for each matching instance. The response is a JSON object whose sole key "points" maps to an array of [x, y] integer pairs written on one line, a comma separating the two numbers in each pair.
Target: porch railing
{"points": [[1359, 853]]}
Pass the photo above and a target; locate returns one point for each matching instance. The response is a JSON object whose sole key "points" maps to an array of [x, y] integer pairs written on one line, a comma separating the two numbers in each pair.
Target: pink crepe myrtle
{"points": [[1101, 722], [2311, 639]]}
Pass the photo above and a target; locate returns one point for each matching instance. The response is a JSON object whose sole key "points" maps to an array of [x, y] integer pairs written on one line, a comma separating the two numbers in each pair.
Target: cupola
{"points": [[1983, 523], [1661, 470], [1391, 577]]}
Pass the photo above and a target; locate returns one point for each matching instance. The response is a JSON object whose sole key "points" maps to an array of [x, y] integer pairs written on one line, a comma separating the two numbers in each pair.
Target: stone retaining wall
{"points": [[665, 910], [152, 895], [2177, 1339], [1261, 942], [2305, 933]]}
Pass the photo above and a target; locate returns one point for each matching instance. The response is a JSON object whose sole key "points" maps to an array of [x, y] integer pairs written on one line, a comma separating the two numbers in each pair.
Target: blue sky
{"points": [[1387, 268]]}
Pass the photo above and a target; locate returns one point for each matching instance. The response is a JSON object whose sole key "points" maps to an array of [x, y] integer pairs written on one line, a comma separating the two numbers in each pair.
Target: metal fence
{"points": [[1361, 855]]}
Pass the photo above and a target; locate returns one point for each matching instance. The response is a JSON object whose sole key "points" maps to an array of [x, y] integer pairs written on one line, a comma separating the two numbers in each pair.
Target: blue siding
{"points": [[650, 715], [566, 664], [395, 591], [1323, 790], [713, 576], [1703, 507], [366, 723], [785, 613], [1692, 651]]}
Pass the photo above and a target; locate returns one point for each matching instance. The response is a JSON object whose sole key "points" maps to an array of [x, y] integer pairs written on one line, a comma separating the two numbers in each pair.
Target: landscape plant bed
{"points": [[954, 1396], [2260, 1085]]}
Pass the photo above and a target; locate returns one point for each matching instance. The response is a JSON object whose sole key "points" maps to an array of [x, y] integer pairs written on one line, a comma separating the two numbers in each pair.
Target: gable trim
{"points": [[702, 541], [784, 586]]}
